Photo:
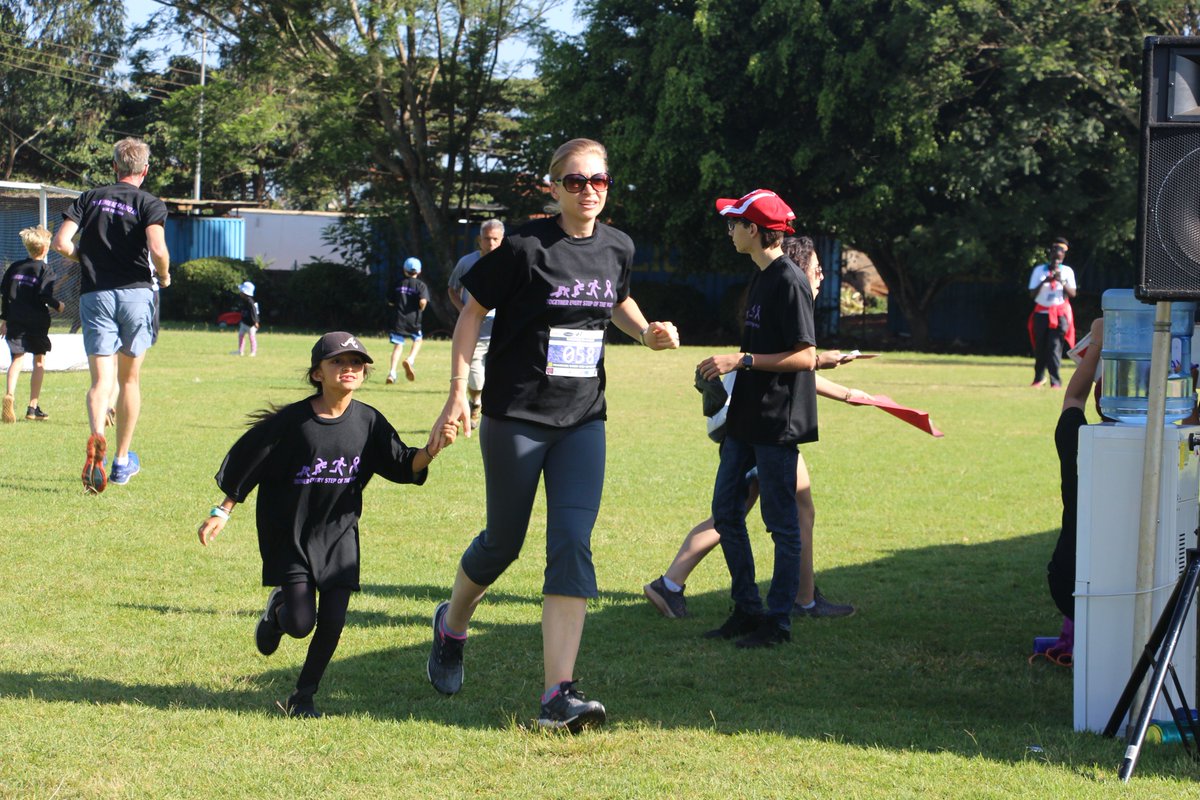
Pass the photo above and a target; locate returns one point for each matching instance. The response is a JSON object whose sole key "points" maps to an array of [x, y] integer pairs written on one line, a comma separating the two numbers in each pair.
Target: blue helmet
{"points": [[412, 265]]}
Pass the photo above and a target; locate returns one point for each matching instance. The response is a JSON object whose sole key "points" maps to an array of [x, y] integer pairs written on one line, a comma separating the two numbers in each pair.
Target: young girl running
{"points": [[555, 284], [310, 461]]}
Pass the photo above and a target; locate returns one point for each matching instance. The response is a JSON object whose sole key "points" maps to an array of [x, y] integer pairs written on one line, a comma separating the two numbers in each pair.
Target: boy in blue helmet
{"points": [[408, 300]]}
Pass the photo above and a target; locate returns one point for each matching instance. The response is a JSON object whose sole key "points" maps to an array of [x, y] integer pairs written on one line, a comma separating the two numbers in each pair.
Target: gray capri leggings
{"points": [[515, 455]]}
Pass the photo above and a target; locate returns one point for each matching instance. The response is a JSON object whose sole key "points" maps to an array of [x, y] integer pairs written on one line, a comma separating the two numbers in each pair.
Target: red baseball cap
{"points": [[762, 207]]}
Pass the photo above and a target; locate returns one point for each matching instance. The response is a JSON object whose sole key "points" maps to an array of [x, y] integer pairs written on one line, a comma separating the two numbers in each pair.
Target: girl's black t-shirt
{"points": [[553, 296], [310, 472], [776, 407]]}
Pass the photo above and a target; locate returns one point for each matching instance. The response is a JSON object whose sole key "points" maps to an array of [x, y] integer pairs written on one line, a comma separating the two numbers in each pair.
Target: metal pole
{"points": [[200, 126], [1160, 354]]}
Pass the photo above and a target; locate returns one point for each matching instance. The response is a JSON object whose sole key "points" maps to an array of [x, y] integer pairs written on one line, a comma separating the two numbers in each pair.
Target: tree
{"points": [[57, 87], [413, 85], [946, 140]]}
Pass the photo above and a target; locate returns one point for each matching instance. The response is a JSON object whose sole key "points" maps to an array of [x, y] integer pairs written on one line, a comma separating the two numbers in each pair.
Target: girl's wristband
{"points": [[217, 511]]}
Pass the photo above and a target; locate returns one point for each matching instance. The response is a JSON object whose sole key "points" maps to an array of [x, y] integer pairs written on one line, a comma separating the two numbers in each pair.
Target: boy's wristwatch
{"points": [[747, 361]]}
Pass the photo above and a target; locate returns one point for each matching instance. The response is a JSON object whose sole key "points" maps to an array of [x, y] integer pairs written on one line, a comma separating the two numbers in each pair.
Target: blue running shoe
{"points": [[120, 474]]}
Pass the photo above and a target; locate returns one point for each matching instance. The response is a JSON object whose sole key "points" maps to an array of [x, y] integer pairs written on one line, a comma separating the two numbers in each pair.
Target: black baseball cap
{"points": [[335, 343]]}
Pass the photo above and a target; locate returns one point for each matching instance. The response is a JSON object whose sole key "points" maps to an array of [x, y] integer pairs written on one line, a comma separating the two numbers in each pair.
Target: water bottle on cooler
{"points": [[1125, 357]]}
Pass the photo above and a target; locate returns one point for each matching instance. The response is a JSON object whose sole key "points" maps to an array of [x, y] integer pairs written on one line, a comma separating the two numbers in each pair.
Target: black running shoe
{"points": [[268, 633], [670, 604], [571, 710], [738, 624], [301, 705], [768, 634], [445, 667], [36, 414]]}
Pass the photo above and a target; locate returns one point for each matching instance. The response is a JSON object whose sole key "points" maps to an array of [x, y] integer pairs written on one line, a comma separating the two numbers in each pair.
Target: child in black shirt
{"points": [[26, 297], [310, 461], [408, 301], [248, 326]]}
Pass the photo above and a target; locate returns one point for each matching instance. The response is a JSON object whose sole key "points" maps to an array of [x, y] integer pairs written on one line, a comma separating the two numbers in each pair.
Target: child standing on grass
{"points": [[310, 461], [26, 297], [408, 301], [249, 324]]}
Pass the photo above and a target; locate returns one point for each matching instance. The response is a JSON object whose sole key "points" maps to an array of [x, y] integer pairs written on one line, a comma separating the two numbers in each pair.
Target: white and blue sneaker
{"points": [[121, 473]]}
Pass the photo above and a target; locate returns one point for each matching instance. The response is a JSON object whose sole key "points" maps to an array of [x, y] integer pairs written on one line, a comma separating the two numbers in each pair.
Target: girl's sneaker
{"points": [[571, 710], [94, 477], [35, 413], [8, 415]]}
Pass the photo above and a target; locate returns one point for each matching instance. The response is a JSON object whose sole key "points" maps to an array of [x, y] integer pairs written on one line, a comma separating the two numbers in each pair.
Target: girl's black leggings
{"points": [[299, 614]]}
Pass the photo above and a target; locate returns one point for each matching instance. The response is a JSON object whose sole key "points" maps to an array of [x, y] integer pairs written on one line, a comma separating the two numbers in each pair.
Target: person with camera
{"points": [[1052, 287]]}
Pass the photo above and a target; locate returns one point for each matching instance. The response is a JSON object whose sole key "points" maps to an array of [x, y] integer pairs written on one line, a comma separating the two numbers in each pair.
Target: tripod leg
{"points": [[1184, 593]]}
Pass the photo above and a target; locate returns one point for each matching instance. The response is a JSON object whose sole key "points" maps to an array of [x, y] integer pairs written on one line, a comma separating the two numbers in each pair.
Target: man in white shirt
{"points": [[1052, 287]]}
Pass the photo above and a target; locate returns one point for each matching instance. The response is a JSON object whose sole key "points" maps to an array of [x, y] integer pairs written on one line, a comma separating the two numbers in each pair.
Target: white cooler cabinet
{"points": [[1110, 483]]}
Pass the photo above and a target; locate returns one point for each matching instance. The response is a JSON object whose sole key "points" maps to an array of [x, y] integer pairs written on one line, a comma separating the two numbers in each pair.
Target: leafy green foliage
{"points": [[333, 297], [204, 287]]}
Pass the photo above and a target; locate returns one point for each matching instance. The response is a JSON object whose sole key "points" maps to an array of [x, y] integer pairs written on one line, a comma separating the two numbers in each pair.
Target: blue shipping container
{"points": [[189, 238]]}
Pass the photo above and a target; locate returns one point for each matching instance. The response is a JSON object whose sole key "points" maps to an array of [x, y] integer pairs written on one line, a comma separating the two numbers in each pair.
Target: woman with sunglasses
{"points": [[555, 285], [666, 591]]}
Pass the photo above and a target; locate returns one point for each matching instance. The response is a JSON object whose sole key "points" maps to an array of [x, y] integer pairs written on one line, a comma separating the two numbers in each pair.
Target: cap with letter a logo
{"points": [[338, 342]]}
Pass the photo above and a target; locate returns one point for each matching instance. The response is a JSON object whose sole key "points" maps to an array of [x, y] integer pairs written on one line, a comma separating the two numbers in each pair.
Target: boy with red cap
{"points": [[773, 409]]}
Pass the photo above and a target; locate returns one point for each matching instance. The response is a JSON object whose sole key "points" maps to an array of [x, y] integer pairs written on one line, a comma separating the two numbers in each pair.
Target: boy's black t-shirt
{"points": [[26, 294], [553, 296], [776, 407], [407, 297], [310, 473], [112, 245]]}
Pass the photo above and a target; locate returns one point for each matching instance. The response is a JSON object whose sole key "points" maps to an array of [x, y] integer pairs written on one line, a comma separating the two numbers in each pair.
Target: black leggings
{"points": [[1060, 572], [299, 613]]}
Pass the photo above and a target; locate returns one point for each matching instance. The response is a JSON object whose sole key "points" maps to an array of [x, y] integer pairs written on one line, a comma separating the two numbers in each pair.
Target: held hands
{"points": [[716, 366], [661, 336], [442, 435]]}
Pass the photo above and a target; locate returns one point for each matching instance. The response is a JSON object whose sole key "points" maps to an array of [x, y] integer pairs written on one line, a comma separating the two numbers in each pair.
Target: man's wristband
{"points": [[642, 335], [217, 511]]}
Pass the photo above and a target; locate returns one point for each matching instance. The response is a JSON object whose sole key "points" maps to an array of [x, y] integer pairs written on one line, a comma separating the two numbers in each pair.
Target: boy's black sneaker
{"points": [[739, 624], [268, 633], [301, 705], [768, 634], [445, 667], [571, 710], [670, 604], [36, 414]]}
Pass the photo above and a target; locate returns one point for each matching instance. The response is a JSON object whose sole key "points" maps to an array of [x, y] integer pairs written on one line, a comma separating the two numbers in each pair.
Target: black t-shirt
{"points": [[553, 296], [112, 246], [310, 473], [26, 294], [776, 407], [249, 309], [406, 298]]}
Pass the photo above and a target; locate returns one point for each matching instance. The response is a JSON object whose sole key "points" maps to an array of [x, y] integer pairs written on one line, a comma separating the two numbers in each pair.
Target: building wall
{"points": [[287, 240]]}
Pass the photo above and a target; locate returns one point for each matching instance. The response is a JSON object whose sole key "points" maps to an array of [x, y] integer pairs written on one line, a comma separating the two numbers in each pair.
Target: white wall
{"points": [[288, 239]]}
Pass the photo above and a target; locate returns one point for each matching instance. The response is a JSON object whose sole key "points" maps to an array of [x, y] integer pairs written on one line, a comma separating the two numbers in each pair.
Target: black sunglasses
{"points": [[575, 182]]}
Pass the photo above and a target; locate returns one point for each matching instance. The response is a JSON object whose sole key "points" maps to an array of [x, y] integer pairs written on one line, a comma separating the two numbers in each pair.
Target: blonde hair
{"points": [[36, 240], [575, 147], [130, 157]]}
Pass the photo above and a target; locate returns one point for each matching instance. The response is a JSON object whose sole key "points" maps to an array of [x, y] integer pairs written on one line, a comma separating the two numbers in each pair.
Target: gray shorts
{"points": [[516, 455], [475, 370], [117, 319]]}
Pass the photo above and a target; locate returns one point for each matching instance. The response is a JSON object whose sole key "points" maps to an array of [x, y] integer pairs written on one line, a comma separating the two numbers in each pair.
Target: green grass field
{"points": [[128, 669]]}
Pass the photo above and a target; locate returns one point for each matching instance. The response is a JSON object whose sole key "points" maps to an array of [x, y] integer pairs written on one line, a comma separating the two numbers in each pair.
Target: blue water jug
{"points": [[1128, 334]]}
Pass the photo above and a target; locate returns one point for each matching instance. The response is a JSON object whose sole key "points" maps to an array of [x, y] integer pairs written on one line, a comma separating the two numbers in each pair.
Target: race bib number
{"points": [[574, 353]]}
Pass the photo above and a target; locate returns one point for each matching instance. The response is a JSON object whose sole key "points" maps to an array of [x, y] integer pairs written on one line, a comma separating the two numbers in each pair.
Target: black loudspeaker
{"points": [[1168, 229]]}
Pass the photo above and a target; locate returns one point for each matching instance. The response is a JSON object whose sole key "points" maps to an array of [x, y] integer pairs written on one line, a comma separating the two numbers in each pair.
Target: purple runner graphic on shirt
{"points": [[115, 207], [337, 471], [583, 295], [754, 316], [31, 280]]}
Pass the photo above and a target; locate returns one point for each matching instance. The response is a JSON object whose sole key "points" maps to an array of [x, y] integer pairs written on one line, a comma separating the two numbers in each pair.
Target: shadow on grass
{"points": [[934, 660]]}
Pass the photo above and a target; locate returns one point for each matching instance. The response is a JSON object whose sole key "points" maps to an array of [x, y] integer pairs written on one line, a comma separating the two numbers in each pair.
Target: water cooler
{"points": [[1110, 481]]}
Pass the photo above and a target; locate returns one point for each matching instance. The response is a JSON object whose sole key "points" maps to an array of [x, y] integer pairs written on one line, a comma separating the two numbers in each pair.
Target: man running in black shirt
{"points": [[121, 233], [773, 408]]}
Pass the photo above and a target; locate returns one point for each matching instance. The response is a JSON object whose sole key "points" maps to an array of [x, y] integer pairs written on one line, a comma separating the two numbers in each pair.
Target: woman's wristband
{"points": [[217, 511], [642, 335], [454, 378], [428, 454]]}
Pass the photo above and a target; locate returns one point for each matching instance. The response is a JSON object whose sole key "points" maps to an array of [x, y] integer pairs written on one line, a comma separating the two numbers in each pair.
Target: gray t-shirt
{"points": [[461, 268]]}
